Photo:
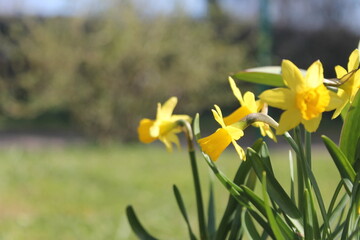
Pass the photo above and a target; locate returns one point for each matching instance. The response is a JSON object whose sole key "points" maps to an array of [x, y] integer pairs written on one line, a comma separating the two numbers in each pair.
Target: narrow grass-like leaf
{"points": [[265, 158], [308, 217], [182, 208], [211, 213], [353, 216], [270, 216], [340, 160], [336, 210], [320, 201], [276, 192], [136, 226], [261, 206], [196, 127], [248, 226], [350, 133], [225, 223], [236, 229], [292, 177]]}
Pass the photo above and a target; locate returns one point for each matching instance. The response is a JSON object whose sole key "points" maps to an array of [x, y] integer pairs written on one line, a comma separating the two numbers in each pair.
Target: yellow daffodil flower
{"points": [[216, 143], [304, 99], [165, 127], [350, 81], [247, 105]]}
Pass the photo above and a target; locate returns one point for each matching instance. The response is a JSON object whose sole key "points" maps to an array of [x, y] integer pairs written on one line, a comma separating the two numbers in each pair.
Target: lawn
{"points": [[80, 192]]}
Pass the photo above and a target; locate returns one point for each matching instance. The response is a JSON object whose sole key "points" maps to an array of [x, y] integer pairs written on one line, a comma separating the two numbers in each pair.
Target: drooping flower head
{"points": [[349, 80], [217, 142], [164, 127], [247, 105], [304, 100]]}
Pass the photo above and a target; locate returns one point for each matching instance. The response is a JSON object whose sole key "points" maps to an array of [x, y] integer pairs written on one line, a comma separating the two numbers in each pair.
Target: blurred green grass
{"points": [[81, 192]]}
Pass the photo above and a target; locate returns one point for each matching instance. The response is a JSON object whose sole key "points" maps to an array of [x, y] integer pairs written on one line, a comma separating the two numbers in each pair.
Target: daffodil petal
{"points": [[239, 150], [282, 98], [170, 138], [314, 75], [353, 60], [335, 100], [249, 101], [144, 131], [166, 142], [292, 76], [340, 71], [288, 120], [184, 117], [234, 132], [340, 100], [312, 124], [218, 115], [236, 91], [259, 105], [165, 111]]}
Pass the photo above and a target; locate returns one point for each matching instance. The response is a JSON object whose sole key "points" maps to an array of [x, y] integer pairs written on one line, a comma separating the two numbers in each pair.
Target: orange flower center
{"points": [[312, 102]]}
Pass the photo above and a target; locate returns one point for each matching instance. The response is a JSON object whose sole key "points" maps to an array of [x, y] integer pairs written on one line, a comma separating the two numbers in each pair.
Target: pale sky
{"points": [[298, 15]]}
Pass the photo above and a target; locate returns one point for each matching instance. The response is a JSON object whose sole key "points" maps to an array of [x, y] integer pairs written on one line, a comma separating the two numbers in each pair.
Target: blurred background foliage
{"points": [[104, 72], [100, 73]]}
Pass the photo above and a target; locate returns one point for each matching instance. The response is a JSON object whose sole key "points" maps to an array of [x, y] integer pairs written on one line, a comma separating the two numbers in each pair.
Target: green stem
{"points": [[195, 173], [308, 147]]}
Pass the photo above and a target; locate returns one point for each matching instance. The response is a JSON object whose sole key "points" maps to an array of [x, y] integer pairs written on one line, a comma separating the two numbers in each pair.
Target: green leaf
{"points": [[292, 177], [196, 127], [182, 208], [340, 160], [351, 227], [231, 205], [270, 79], [308, 216], [270, 216], [350, 133], [136, 226], [276, 192], [236, 230], [211, 225], [249, 226]]}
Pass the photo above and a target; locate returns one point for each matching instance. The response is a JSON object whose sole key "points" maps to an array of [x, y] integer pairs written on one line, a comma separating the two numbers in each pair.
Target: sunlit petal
{"points": [[175, 118], [165, 111], [340, 71], [312, 124], [353, 60], [236, 91], [218, 115], [282, 98], [239, 150], [314, 75], [249, 101], [166, 142], [288, 120], [234, 132], [292, 76], [340, 101]]}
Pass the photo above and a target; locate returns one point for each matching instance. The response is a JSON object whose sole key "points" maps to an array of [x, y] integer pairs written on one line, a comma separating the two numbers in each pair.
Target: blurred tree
{"points": [[108, 70]]}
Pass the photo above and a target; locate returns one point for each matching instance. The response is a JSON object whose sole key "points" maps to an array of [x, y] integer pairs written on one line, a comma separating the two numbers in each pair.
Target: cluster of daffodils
{"points": [[303, 99]]}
